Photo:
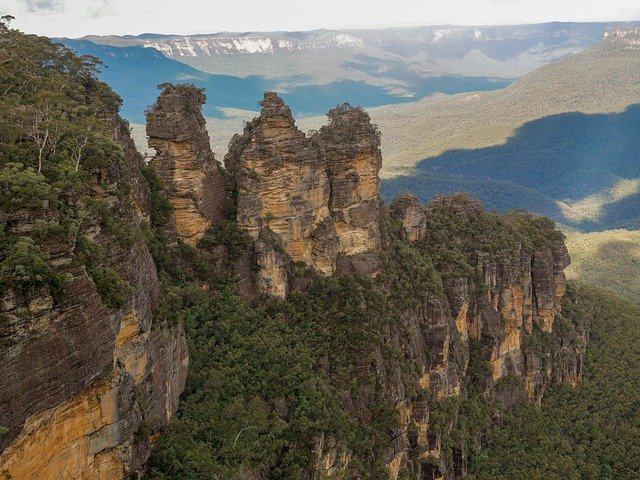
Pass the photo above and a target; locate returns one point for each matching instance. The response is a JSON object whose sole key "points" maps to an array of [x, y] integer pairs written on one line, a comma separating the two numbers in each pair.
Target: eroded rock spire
{"points": [[314, 201], [184, 160]]}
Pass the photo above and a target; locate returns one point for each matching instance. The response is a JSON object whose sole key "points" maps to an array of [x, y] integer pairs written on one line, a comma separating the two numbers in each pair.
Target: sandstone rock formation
{"points": [[627, 38], [350, 146], [410, 213], [319, 197], [184, 160], [84, 385], [282, 187], [498, 312]]}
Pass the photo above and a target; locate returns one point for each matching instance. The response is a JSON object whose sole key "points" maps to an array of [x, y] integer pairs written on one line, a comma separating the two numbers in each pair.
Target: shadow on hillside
{"points": [[564, 157]]}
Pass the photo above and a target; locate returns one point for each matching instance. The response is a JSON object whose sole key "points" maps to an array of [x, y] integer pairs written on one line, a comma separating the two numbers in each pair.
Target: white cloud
{"points": [[44, 5], [103, 17]]}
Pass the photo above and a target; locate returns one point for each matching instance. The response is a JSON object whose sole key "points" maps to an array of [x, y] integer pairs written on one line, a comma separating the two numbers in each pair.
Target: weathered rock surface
{"points": [[503, 313], [410, 213], [184, 160], [319, 197], [350, 147], [283, 187], [84, 385]]}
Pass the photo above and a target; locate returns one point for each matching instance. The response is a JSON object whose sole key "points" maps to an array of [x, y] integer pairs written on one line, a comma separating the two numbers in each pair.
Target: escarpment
{"points": [[401, 332], [89, 372], [464, 314], [490, 337], [319, 196], [184, 160]]}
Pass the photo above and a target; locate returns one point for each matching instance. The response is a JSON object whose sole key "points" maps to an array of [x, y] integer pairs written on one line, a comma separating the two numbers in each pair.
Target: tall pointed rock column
{"points": [[283, 195], [184, 160]]}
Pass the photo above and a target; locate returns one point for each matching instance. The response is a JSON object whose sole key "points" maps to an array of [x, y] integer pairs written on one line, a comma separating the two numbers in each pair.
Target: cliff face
{"points": [[350, 147], [85, 384], [462, 321], [282, 187], [318, 197], [492, 335], [184, 160], [498, 330]]}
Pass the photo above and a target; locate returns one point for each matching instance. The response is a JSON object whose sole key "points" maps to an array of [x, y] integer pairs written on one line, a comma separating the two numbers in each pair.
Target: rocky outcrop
{"points": [[282, 187], [628, 39], [316, 201], [84, 385], [499, 320], [184, 160], [318, 197], [510, 294], [87, 385], [350, 147], [409, 212]]}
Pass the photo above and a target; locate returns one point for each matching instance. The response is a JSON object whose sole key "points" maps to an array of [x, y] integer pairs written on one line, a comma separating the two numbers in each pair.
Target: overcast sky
{"points": [[74, 18]]}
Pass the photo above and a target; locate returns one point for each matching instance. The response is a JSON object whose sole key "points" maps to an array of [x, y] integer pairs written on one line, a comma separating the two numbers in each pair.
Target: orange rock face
{"points": [[318, 197], [79, 378], [184, 161], [350, 146]]}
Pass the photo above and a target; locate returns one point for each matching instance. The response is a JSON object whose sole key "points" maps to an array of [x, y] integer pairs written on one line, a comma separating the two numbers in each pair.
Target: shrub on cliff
{"points": [[25, 265], [56, 131]]}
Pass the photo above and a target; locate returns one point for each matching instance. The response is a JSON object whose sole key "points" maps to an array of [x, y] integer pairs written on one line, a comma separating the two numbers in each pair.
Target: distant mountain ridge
{"points": [[134, 72], [396, 59], [439, 40], [567, 132]]}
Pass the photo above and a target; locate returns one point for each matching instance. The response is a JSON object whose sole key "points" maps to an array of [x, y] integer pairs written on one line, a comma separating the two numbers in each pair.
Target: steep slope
{"points": [[90, 371], [314, 201], [184, 161], [331, 336], [590, 432], [349, 375], [603, 79]]}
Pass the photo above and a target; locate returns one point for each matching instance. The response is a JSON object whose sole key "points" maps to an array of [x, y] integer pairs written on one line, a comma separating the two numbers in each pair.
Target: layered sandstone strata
{"points": [[350, 147], [84, 386], [521, 290], [318, 197], [184, 160]]}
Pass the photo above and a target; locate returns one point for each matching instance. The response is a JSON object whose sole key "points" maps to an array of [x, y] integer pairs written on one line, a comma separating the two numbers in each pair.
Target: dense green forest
{"points": [[57, 124], [592, 432]]}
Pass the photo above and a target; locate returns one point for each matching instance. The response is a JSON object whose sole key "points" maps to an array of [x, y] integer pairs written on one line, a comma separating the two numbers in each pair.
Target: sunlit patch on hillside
{"points": [[608, 259], [593, 207]]}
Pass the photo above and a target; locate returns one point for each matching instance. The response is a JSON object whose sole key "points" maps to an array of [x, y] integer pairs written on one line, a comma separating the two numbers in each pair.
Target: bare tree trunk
{"points": [[41, 150]]}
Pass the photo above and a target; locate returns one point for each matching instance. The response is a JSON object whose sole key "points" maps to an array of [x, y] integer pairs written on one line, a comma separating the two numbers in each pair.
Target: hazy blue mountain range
{"points": [[316, 70], [432, 49], [562, 141], [134, 73]]}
